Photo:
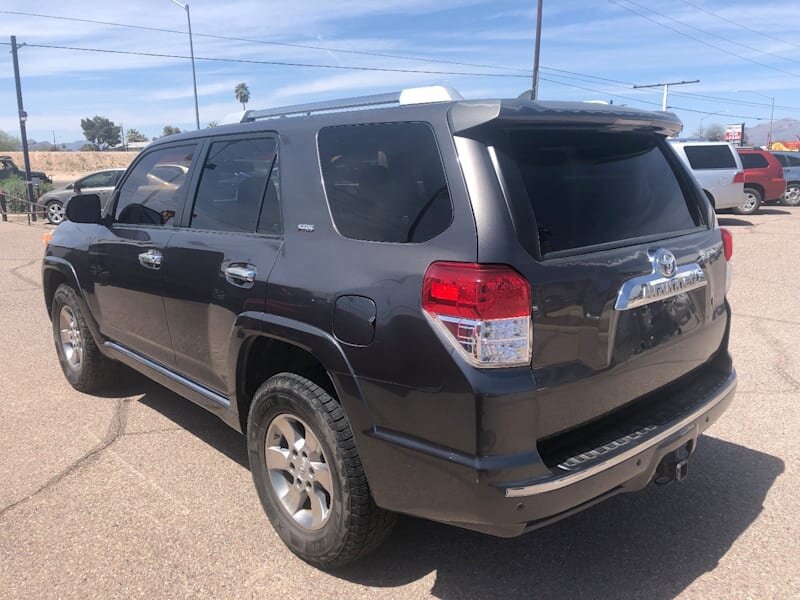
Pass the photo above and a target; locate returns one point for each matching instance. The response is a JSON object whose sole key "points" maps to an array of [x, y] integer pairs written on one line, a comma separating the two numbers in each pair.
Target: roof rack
{"points": [[420, 95]]}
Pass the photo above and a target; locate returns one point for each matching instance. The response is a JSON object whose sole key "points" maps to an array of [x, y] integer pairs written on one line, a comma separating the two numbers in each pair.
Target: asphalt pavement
{"points": [[140, 493]]}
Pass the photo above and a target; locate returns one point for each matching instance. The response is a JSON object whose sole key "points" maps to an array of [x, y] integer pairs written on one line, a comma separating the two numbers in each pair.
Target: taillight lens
{"points": [[484, 310], [727, 244], [739, 177]]}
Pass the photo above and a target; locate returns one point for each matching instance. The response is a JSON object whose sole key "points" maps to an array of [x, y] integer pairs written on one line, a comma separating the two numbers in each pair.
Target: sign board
{"points": [[734, 134], [786, 146]]}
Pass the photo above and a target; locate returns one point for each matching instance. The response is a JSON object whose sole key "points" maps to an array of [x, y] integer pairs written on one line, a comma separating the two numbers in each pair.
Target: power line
{"points": [[745, 27], [266, 42], [711, 33], [697, 39], [271, 62], [561, 72]]}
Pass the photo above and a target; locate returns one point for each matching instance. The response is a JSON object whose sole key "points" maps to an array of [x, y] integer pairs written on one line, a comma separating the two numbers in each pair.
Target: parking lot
{"points": [[141, 493]]}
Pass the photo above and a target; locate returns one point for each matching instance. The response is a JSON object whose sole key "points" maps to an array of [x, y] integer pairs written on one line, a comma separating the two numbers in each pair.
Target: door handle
{"points": [[240, 275], [151, 259]]}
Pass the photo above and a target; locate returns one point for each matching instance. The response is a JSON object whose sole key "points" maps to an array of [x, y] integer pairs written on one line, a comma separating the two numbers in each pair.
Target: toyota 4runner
{"points": [[487, 313]]}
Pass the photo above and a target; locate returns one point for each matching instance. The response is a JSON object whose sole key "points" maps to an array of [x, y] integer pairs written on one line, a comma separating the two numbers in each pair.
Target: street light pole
{"points": [[23, 116], [191, 52], [536, 47]]}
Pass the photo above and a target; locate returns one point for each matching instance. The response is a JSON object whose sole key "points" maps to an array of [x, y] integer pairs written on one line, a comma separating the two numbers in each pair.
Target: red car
{"points": [[763, 179]]}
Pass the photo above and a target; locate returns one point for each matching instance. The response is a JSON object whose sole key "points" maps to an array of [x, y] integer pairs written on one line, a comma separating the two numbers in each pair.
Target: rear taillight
{"points": [[727, 244], [483, 310], [739, 177]]}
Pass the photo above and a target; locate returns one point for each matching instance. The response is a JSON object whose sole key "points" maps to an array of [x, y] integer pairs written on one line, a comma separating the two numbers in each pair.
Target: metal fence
{"points": [[12, 204]]}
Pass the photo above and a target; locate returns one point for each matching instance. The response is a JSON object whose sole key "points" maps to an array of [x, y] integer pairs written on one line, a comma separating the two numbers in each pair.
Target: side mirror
{"points": [[70, 186], [84, 208]]}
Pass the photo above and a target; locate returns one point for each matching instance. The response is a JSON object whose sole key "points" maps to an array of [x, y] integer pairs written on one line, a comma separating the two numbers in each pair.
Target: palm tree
{"points": [[242, 94]]}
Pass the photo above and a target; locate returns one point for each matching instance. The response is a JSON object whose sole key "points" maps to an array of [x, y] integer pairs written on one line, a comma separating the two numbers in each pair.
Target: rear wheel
{"points": [[83, 365], [792, 195], [751, 204], [309, 476], [54, 211]]}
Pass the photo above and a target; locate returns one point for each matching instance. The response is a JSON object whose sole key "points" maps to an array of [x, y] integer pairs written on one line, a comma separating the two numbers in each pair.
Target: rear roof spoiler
{"points": [[468, 115]]}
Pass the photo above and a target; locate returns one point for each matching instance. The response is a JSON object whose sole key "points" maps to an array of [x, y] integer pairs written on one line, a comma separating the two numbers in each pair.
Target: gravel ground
{"points": [[142, 494]]}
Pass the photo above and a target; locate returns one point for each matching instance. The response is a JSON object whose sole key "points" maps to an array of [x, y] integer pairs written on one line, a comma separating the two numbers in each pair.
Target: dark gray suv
{"points": [[489, 313]]}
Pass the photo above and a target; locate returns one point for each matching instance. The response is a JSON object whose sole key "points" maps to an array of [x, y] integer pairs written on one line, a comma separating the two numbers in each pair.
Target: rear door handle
{"points": [[240, 275], [151, 259]]}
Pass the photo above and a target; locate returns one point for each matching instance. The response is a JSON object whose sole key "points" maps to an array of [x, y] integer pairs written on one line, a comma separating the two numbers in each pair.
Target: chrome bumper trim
{"points": [[557, 483]]}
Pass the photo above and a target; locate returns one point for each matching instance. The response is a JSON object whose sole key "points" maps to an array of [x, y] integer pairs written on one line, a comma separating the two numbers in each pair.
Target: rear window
{"points": [[710, 157], [385, 182], [754, 161], [589, 188]]}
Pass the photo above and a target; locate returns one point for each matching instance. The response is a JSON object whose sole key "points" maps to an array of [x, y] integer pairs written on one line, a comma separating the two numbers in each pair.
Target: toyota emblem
{"points": [[665, 263]]}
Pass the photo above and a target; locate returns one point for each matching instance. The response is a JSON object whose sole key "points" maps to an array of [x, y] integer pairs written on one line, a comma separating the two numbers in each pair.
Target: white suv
{"points": [[718, 169]]}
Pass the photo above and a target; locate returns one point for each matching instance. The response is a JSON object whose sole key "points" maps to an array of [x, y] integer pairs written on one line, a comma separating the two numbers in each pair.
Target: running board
{"points": [[177, 383]]}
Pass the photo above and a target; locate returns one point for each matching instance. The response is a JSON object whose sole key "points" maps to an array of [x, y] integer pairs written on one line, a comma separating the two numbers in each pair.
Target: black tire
{"points": [[54, 212], [751, 204], [792, 195], [93, 371], [354, 525]]}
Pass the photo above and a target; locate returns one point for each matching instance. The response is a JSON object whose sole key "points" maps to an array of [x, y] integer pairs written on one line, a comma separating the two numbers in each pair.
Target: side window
{"points": [[236, 192], [783, 159], [104, 179], [794, 161], [154, 192], [385, 182], [710, 157], [753, 161]]}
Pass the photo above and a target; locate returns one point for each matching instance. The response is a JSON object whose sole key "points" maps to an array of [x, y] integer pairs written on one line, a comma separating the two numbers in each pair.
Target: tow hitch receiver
{"points": [[674, 466]]}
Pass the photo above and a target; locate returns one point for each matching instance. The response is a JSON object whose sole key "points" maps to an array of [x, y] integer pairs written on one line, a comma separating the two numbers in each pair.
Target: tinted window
{"points": [[589, 188], [753, 161], [233, 186], [153, 193], [710, 157], [385, 182], [783, 159], [104, 179], [794, 161]]}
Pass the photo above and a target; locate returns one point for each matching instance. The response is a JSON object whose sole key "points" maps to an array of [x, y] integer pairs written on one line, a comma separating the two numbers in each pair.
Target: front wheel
{"points": [[751, 204], [792, 195], [54, 211], [309, 476], [86, 369]]}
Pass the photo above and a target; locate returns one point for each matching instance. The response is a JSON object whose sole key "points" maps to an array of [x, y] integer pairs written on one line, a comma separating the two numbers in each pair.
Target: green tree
{"points": [[170, 130], [101, 132], [133, 135], [242, 94], [8, 142]]}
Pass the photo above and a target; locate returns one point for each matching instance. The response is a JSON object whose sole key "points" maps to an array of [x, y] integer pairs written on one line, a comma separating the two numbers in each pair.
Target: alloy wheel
{"points": [[55, 212], [299, 472], [71, 338]]}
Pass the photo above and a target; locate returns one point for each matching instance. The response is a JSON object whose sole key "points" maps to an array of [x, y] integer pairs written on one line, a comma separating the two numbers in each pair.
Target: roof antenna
{"points": [[535, 76]]}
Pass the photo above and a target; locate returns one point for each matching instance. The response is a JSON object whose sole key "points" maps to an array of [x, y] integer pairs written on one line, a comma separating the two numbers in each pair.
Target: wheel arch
{"points": [[756, 186], [284, 345]]}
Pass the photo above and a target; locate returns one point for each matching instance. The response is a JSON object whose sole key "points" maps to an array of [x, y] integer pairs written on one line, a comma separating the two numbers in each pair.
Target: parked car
{"points": [[487, 313], [717, 168], [9, 169], [791, 172], [101, 183], [763, 179]]}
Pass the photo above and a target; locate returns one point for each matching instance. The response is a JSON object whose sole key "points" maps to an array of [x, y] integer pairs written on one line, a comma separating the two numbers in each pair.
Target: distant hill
{"points": [[782, 130], [45, 146]]}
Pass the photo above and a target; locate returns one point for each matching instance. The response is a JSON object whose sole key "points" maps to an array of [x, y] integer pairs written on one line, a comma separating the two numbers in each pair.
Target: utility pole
{"points": [[666, 85], [23, 116], [537, 45], [191, 52]]}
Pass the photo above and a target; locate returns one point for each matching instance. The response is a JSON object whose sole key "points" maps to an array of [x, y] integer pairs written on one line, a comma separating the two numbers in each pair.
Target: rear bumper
{"points": [[481, 494]]}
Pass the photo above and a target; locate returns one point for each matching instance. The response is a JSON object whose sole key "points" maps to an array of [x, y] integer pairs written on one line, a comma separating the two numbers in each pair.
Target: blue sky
{"points": [[598, 38]]}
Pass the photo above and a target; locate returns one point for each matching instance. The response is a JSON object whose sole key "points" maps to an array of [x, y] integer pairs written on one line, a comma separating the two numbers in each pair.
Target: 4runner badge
{"points": [[305, 227], [666, 280]]}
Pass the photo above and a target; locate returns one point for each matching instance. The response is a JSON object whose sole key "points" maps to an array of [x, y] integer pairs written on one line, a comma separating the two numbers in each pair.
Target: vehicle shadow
{"points": [[733, 222], [187, 415], [652, 543], [773, 211]]}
